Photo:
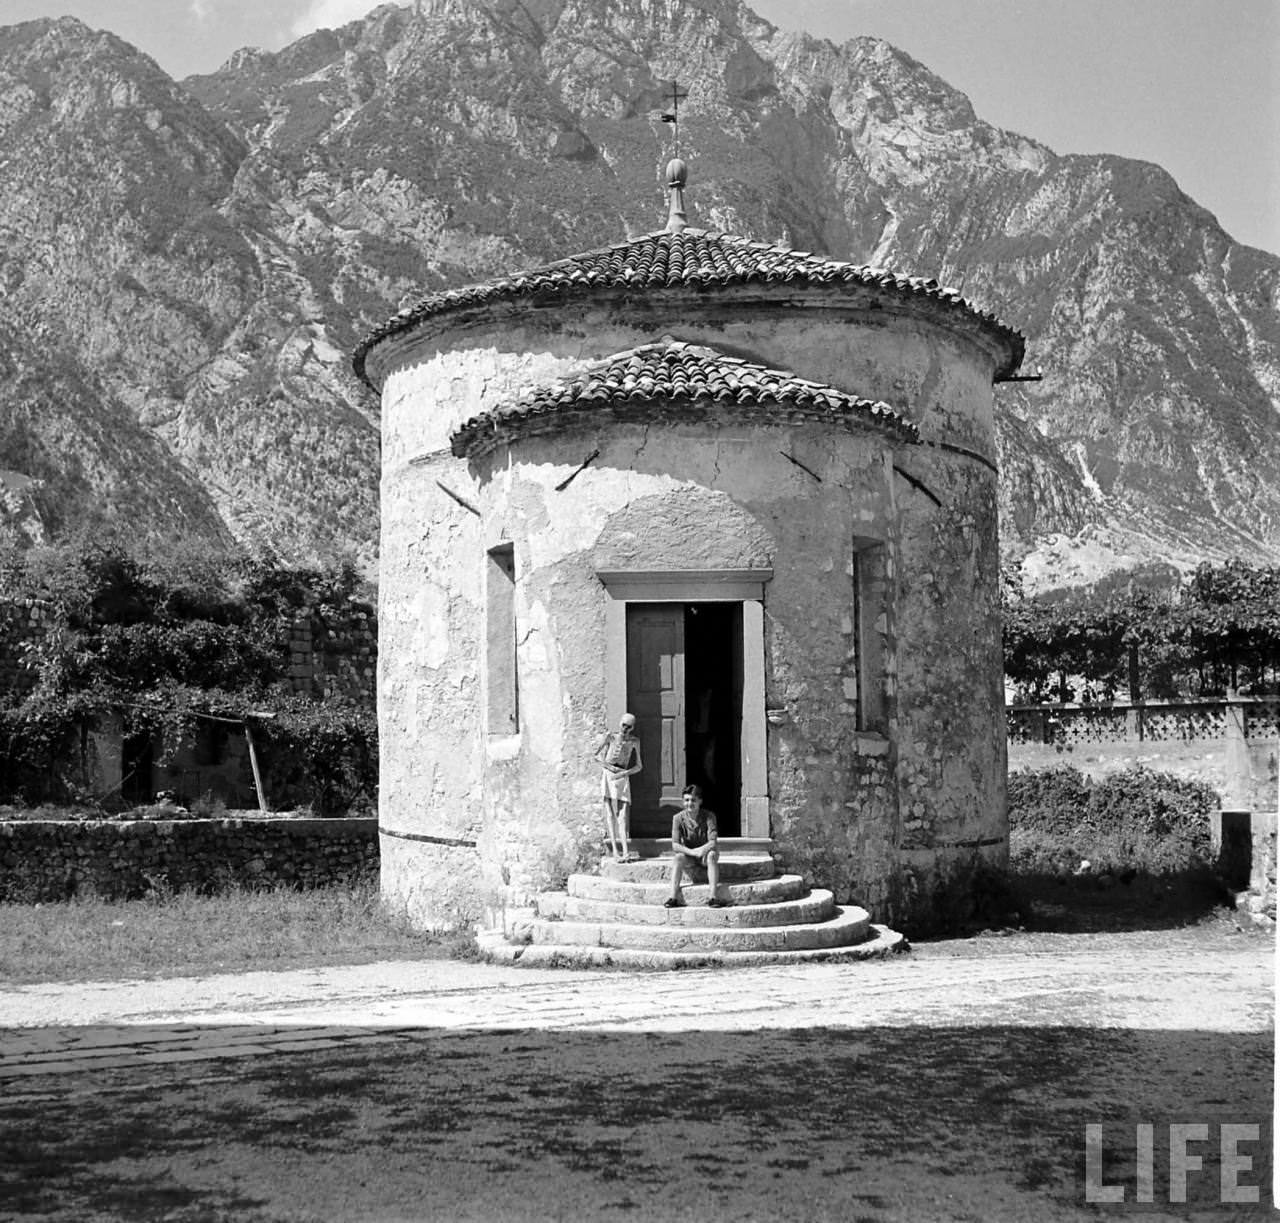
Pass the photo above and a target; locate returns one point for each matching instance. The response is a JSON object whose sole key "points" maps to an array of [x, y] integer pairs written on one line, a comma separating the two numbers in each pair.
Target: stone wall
{"points": [[1260, 900], [46, 860], [883, 756], [20, 623], [334, 652]]}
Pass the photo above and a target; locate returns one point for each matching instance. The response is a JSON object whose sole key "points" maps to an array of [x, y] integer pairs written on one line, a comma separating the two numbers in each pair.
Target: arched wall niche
{"points": [[704, 529]]}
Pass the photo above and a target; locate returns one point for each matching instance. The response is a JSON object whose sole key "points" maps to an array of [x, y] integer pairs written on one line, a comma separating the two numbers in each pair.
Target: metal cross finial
{"points": [[672, 116]]}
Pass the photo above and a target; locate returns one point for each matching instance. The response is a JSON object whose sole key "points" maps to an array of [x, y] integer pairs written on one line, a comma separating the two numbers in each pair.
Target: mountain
{"points": [[195, 260], [174, 374]]}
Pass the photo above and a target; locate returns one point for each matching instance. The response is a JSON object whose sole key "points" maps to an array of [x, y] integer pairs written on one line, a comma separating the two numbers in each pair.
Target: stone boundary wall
{"points": [[47, 860]]}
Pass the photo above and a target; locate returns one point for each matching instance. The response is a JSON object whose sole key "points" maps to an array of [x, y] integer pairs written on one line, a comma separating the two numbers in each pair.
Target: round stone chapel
{"points": [[746, 493]]}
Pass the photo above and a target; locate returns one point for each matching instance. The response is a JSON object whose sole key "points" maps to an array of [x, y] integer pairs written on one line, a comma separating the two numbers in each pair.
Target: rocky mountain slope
{"points": [[186, 266]]}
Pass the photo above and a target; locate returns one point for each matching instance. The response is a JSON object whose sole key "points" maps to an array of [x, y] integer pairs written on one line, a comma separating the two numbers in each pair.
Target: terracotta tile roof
{"points": [[695, 258], [673, 381]]}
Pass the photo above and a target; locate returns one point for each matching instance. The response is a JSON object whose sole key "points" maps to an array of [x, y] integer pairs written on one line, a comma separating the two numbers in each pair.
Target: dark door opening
{"points": [[137, 763], [713, 686], [684, 684]]}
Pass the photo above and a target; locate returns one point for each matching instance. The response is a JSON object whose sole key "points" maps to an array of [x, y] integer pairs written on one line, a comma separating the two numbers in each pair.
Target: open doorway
{"points": [[137, 768], [685, 684]]}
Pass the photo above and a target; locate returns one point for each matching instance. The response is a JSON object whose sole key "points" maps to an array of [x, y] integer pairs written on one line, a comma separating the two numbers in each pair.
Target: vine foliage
{"points": [[1149, 634], [162, 641]]}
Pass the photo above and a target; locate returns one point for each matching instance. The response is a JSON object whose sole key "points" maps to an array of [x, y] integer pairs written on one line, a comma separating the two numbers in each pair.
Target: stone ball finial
{"points": [[677, 172]]}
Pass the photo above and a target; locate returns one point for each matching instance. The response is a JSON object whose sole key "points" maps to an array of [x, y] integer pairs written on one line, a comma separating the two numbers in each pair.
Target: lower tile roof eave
{"points": [[482, 435]]}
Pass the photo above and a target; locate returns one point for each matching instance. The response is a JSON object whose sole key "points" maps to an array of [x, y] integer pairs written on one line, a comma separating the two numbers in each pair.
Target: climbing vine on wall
{"points": [[159, 642]]}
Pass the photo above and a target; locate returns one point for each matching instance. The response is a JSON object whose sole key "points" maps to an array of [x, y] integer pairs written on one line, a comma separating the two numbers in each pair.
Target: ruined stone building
{"points": [[748, 493]]}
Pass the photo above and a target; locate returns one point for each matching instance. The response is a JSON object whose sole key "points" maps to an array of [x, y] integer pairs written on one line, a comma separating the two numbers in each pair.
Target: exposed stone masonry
{"points": [[20, 623], [334, 652], [46, 860]]}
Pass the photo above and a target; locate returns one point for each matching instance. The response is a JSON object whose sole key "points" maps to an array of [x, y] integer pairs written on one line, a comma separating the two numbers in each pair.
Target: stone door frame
{"points": [[745, 586]]}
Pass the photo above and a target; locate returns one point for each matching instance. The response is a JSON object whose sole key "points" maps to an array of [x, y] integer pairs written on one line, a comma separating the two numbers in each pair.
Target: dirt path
{"points": [[954, 1083]]}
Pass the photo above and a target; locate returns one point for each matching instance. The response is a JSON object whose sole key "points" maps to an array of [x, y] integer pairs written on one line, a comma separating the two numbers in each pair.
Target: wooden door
{"points": [[655, 694]]}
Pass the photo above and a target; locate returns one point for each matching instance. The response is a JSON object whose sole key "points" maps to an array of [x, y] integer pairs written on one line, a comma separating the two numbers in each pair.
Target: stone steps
{"points": [[617, 918], [817, 906], [497, 947], [846, 925], [622, 891]]}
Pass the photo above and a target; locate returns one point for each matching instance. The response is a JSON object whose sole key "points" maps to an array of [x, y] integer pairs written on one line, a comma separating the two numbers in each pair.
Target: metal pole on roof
{"points": [[677, 172], [672, 116]]}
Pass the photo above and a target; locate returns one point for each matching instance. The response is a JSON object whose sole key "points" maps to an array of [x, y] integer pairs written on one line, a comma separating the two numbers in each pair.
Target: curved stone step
{"points": [[734, 868], [817, 906], [620, 891], [847, 925], [494, 946]]}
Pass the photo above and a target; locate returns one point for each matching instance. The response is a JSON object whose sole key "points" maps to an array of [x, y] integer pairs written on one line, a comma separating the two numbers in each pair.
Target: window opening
{"points": [[500, 642], [865, 677]]}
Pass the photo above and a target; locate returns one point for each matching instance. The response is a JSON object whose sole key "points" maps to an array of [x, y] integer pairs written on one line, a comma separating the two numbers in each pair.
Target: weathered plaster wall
{"points": [[803, 527], [905, 356], [886, 818], [951, 755], [429, 699]]}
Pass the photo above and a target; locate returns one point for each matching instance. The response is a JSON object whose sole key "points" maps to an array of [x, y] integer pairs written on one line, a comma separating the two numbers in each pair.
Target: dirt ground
{"points": [[954, 1083]]}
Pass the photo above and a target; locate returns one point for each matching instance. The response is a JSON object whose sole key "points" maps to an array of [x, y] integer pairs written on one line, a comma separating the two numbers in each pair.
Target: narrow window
{"points": [[865, 680], [500, 641]]}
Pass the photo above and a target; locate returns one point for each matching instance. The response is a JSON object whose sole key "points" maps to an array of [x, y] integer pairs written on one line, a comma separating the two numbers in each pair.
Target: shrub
{"points": [[209, 806], [1049, 800], [1138, 819], [1158, 807], [327, 749]]}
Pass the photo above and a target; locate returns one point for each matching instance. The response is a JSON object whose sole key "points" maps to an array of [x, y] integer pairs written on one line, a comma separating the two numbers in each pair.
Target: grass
{"points": [[185, 934]]}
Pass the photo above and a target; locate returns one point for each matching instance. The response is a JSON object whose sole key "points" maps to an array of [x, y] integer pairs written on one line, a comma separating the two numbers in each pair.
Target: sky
{"points": [[1191, 84]]}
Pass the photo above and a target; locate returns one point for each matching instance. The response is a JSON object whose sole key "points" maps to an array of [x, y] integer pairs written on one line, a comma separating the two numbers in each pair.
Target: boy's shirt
{"points": [[697, 830]]}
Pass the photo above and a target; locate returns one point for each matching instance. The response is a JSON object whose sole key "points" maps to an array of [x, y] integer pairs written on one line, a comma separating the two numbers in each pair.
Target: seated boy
{"points": [[693, 843]]}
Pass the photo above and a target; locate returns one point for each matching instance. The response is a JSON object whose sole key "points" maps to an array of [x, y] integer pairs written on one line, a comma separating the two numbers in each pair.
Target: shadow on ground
{"points": [[1059, 903], [817, 1124], [1128, 901]]}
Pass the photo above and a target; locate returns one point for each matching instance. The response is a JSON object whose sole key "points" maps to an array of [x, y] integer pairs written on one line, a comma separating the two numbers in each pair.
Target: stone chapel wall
{"points": [[886, 819]]}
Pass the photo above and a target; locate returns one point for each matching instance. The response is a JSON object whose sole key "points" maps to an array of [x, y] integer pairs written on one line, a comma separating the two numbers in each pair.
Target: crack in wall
{"points": [[643, 444]]}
